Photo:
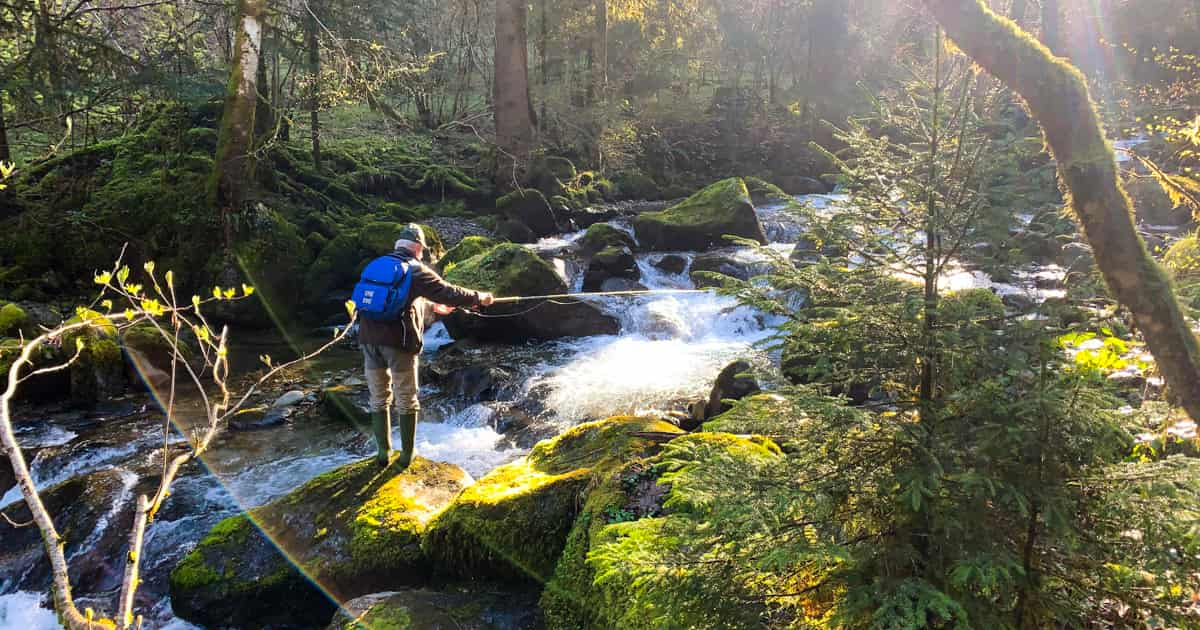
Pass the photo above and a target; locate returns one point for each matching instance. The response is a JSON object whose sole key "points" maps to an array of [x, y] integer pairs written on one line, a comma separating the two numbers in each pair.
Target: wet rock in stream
{"points": [[424, 609], [93, 514], [354, 531]]}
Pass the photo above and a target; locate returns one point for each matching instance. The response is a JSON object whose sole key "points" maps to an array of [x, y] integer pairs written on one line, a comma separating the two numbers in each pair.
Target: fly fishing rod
{"points": [[572, 296]]}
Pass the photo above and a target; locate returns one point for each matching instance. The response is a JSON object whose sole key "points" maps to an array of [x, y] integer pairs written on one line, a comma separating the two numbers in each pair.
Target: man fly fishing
{"points": [[395, 298]]}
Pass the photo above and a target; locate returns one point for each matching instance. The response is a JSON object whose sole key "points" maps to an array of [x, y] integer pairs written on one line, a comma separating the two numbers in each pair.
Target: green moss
{"points": [[635, 185], [1183, 258], [336, 265], [575, 598], [382, 617], [469, 247], [273, 258], [13, 319], [762, 191], [353, 530], [379, 237], [507, 269], [701, 220], [602, 236], [514, 522]]}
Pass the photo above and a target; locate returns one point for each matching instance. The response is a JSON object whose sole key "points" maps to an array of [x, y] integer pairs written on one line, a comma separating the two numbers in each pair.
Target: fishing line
{"points": [[554, 299], [564, 296]]}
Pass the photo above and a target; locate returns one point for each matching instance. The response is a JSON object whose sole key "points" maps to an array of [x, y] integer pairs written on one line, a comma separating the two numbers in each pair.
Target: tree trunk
{"points": [[514, 119], [314, 97], [1058, 97], [46, 42], [262, 106], [233, 163], [543, 54], [600, 81], [5, 151], [1050, 19]]}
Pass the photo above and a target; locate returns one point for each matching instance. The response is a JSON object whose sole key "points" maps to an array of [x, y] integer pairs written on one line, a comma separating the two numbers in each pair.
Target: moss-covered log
{"points": [[1058, 97]]}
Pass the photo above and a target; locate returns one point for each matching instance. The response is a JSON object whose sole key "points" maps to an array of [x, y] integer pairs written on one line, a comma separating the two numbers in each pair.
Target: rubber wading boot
{"points": [[382, 430], [408, 434]]}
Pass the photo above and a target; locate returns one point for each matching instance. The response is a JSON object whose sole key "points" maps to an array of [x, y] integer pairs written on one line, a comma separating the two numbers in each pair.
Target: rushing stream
{"points": [[669, 350]]}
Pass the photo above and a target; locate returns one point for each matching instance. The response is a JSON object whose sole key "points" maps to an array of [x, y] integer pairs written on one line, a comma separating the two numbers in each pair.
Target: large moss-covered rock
{"points": [[625, 501], [552, 175], [273, 257], [530, 208], [512, 270], [601, 236], [513, 523], [424, 609], [98, 373], [354, 531], [469, 247], [702, 220]]}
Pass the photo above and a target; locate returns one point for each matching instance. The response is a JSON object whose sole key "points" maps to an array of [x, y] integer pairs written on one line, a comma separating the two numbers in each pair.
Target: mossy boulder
{"points": [[336, 266], [355, 530], [13, 321], [423, 609], [99, 371], [510, 270], [513, 523], [603, 235], [631, 500], [702, 220], [515, 231], [273, 257], [469, 247], [763, 192], [378, 238], [530, 208], [635, 185], [552, 175]]}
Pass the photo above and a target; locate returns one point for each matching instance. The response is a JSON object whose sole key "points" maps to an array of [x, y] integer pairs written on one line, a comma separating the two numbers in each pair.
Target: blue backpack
{"points": [[381, 294]]}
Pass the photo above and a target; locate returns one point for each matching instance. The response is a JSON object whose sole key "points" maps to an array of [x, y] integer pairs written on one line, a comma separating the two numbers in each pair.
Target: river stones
{"points": [[422, 609], [512, 270], [616, 262], [529, 208], [513, 523], [801, 185], [602, 236], [355, 530], [723, 263], [735, 382], [92, 513], [702, 220]]}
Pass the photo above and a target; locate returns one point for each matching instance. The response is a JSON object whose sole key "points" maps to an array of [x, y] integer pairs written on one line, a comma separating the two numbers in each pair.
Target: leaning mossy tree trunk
{"points": [[1058, 97], [514, 114], [233, 163]]}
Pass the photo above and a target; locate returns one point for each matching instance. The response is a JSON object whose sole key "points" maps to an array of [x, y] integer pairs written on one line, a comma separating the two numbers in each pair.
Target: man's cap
{"points": [[412, 232]]}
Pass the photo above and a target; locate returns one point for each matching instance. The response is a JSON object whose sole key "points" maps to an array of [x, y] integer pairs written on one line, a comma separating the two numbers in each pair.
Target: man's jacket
{"points": [[407, 333]]}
